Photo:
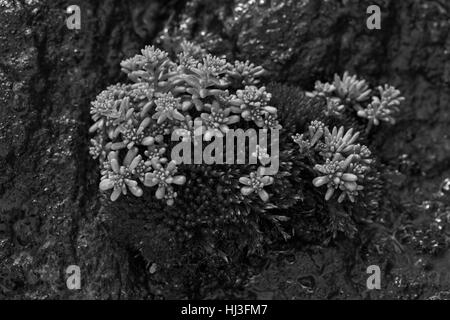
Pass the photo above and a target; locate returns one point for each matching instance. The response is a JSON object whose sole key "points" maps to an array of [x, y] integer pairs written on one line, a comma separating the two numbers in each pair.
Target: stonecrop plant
{"points": [[188, 93], [324, 185], [194, 94], [343, 162], [376, 106]]}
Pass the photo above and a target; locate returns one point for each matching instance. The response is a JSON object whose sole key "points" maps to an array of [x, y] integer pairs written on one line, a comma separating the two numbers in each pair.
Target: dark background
{"points": [[50, 213]]}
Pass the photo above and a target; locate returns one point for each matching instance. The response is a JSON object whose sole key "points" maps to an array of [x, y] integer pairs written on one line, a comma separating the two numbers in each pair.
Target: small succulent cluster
{"points": [[343, 163], [197, 94], [256, 182], [351, 92]]}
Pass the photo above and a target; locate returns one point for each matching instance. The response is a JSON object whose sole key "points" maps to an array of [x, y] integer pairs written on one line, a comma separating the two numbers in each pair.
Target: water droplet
{"points": [[445, 187]]}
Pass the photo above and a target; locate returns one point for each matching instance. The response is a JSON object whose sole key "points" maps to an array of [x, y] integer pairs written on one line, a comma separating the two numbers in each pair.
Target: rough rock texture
{"points": [[48, 196], [51, 214]]}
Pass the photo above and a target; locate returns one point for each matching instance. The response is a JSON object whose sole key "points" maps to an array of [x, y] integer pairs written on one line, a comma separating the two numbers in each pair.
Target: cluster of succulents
{"points": [[239, 207], [376, 106], [256, 182], [195, 94], [225, 211], [343, 163]]}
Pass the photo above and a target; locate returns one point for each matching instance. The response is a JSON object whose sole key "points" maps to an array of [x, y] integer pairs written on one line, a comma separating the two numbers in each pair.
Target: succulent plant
{"points": [[120, 177], [136, 121], [217, 121], [234, 208], [338, 175], [382, 108], [150, 66], [245, 73], [351, 90], [164, 176], [255, 183], [355, 94], [336, 143], [253, 104], [167, 108], [97, 148], [322, 89], [345, 163], [335, 107]]}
